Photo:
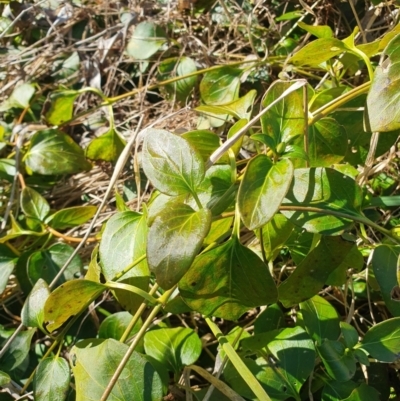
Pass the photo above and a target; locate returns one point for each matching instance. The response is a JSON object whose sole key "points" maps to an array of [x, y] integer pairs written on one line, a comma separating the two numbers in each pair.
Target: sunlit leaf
{"points": [[382, 341], [114, 326], [52, 152], [174, 348], [68, 300], [33, 204], [174, 240], [7, 263], [262, 190], [61, 107], [106, 147], [227, 281], [320, 31], [71, 217], [19, 98], [220, 86], [170, 163], [146, 40], [33, 310], [95, 361], [51, 380]]}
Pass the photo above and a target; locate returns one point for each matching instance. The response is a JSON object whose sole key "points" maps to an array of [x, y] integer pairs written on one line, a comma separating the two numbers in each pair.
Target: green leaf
{"points": [[33, 204], [204, 142], [221, 85], [61, 107], [382, 341], [106, 147], [318, 51], [383, 101], [233, 131], [7, 263], [336, 391], [320, 319], [174, 240], [385, 265], [326, 189], [19, 98], [270, 319], [122, 243], [310, 275], [95, 361], [17, 351], [46, 264], [69, 300], [51, 380], [350, 334], [289, 16], [262, 190], [33, 310], [227, 281], [286, 120], [339, 363], [7, 169], [170, 163], [146, 40], [177, 67], [364, 393], [71, 217], [4, 379], [327, 143], [114, 326], [52, 152], [174, 348], [274, 235], [320, 31]]}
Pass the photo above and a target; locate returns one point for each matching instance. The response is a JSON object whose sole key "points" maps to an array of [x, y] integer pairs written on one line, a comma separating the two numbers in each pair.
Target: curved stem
{"points": [[68, 238]]}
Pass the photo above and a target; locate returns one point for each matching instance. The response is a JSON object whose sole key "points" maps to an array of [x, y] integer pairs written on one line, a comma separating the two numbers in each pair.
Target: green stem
{"points": [[131, 266], [164, 298]]}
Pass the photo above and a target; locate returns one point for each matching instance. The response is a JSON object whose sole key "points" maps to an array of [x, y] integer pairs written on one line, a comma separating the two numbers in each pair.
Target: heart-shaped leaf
{"points": [[51, 380], [227, 281], [262, 190], [174, 240], [174, 348], [170, 163]]}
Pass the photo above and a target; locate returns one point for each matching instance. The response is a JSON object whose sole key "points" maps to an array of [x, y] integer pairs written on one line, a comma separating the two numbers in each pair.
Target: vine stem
{"points": [[163, 299]]}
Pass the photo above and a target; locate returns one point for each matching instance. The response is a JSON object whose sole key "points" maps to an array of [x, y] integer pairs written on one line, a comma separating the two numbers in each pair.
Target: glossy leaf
{"points": [[61, 107], [47, 263], [335, 390], [174, 348], [284, 121], [71, 217], [320, 319], [262, 190], [33, 310], [383, 103], [174, 240], [122, 243], [146, 40], [318, 51], [19, 98], [51, 380], [338, 362], [170, 163], [326, 189], [33, 204], [385, 265], [94, 363], [205, 142], [177, 67], [327, 143], [220, 86], [364, 393], [7, 263], [382, 341], [52, 152], [17, 351], [106, 147], [68, 300], [233, 131], [274, 235], [114, 326], [320, 31], [227, 281], [350, 334], [220, 230], [309, 277]]}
